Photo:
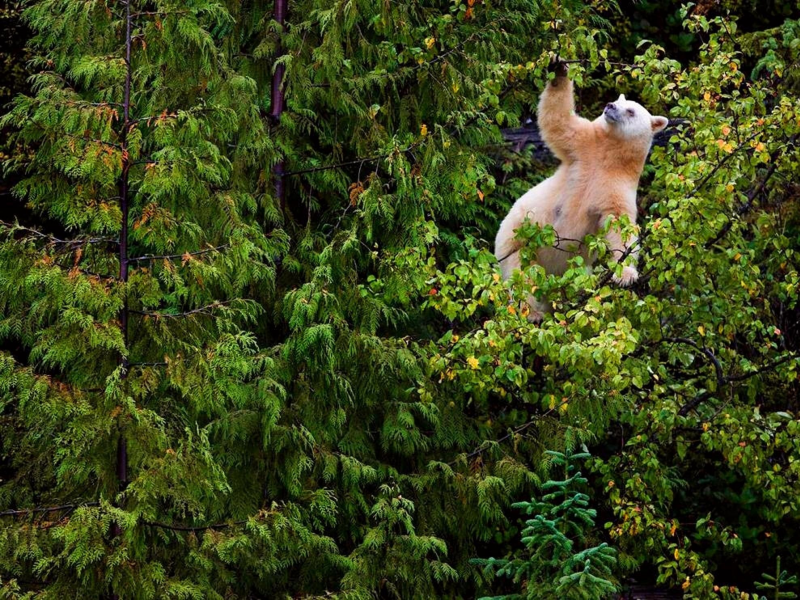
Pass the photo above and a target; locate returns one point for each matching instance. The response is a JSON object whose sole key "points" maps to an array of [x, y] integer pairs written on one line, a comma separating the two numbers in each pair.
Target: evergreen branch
{"points": [[151, 13], [92, 140], [53, 240], [171, 256], [191, 528], [83, 103], [165, 114], [362, 160], [446, 53], [204, 310], [45, 509], [89, 273], [351, 162], [439, 57]]}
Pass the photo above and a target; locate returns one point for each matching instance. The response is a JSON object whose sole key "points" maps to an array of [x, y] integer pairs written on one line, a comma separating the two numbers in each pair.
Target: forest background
{"points": [[255, 342]]}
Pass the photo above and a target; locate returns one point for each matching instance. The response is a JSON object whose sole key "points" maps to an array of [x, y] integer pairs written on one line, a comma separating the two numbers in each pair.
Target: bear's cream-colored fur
{"points": [[601, 162]]}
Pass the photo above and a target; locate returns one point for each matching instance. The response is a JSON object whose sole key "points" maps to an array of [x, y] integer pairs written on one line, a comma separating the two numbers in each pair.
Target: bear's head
{"points": [[628, 119]]}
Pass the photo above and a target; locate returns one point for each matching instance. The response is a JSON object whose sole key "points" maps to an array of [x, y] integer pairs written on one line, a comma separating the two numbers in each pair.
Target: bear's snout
{"points": [[611, 113]]}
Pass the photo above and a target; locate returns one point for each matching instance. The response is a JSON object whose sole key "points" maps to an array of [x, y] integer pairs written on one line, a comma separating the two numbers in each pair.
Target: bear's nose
{"points": [[610, 106]]}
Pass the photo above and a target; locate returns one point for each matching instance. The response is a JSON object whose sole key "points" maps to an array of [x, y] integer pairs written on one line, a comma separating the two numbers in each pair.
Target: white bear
{"points": [[601, 162]]}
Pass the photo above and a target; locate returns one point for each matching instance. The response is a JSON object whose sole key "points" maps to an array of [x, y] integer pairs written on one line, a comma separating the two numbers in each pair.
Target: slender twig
{"points": [[206, 310], [191, 528], [148, 364], [517, 430], [171, 256], [152, 13], [45, 509], [762, 369], [348, 163], [57, 241]]}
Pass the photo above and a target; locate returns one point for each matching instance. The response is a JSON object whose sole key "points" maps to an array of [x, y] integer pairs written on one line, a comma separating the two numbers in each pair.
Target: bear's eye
{"points": [[630, 112]]}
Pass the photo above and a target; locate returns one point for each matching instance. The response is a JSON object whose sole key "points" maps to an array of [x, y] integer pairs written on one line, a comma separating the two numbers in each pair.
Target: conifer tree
{"points": [[561, 564]]}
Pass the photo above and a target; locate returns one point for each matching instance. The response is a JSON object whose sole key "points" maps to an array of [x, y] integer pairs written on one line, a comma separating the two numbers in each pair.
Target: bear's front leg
{"points": [[559, 126]]}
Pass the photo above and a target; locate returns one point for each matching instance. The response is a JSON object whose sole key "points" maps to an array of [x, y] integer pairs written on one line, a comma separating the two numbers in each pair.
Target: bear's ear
{"points": [[621, 98], [658, 123]]}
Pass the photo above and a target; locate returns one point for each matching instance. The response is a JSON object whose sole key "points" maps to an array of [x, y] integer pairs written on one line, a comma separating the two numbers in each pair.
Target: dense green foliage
{"points": [[332, 394], [559, 564]]}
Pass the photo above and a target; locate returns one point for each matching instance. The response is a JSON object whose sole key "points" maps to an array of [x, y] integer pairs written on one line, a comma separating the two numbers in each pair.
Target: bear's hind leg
{"points": [[537, 310]]}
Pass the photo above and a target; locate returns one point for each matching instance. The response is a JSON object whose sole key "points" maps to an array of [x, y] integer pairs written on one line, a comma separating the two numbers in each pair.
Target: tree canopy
{"points": [[255, 342]]}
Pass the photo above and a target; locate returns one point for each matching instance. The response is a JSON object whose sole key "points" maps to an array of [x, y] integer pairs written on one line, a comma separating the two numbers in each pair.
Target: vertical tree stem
{"points": [[122, 448], [278, 100]]}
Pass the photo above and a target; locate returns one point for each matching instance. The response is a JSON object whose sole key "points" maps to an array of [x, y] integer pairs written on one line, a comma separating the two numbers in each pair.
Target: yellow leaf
{"points": [[423, 130], [677, 555], [496, 277], [472, 362], [702, 330], [480, 195]]}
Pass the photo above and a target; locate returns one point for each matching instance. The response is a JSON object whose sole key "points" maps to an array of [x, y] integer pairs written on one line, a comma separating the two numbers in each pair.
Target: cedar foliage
{"points": [[219, 389]]}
